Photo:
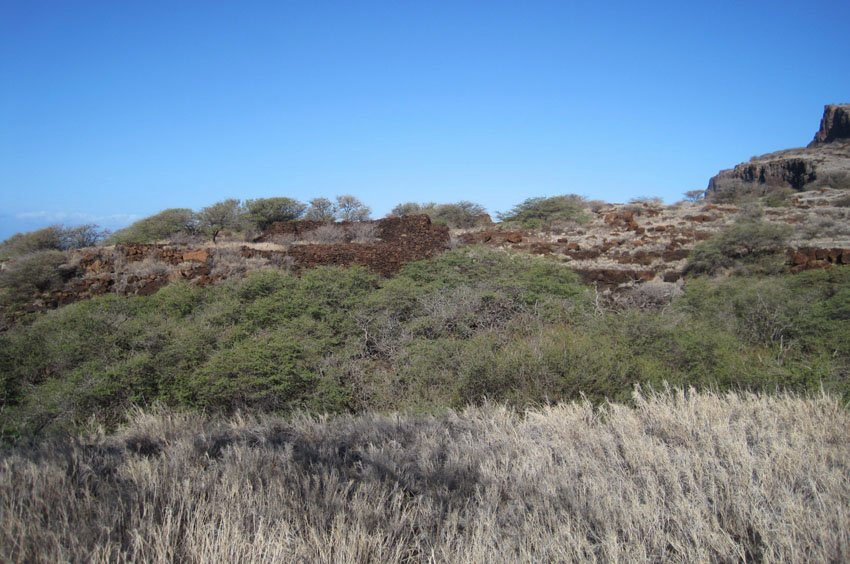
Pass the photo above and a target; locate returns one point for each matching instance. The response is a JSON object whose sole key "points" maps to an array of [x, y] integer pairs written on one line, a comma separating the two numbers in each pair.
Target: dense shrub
{"points": [[746, 246], [263, 212], [49, 238], [470, 325], [535, 213], [157, 227], [55, 237], [321, 209], [25, 275]]}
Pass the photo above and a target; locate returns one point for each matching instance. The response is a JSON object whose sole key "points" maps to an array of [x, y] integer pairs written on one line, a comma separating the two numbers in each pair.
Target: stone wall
{"points": [[400, 240]]}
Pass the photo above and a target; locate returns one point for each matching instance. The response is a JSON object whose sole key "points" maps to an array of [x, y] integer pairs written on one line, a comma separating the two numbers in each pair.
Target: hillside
{"points": [[577, 381]]}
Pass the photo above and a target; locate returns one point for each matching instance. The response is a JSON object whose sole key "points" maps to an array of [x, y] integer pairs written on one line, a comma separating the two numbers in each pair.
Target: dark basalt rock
{"points": [[834, 125]]}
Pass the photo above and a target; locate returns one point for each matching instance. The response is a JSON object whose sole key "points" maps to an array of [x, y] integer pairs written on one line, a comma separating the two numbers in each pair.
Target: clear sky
{"points": [[113, 110]]}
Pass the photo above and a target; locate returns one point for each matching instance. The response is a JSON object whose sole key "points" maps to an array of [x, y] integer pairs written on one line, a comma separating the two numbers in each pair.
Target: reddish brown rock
{"points": [[196, 255]]}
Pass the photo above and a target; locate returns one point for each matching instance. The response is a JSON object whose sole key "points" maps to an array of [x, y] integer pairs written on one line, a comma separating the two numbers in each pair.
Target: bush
{"points": [[49, 238], [460, 215], [266, 372], [324, 234], [158, 227], [321, 209], [648, 201], [694, 195], [55, 237], [535, 213], [842, 202], [362, 232], [410, 208], [26, 275], [826, 225], [263, 212], [748, 246]]}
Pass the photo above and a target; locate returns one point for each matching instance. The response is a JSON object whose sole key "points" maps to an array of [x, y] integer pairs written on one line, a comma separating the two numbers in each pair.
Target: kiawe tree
{"points": [[350, 208], [162, 225], [219, 216], [263, 212], [694, 195], [321, 209]]}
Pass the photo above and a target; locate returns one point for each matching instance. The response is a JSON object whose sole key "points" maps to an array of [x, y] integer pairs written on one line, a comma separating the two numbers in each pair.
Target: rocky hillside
{"points": [[824, 163], [617, 246], [624, 244]]}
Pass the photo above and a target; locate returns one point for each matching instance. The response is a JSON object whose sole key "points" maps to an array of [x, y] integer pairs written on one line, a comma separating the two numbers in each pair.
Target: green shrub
{"points": [[460, 215], [263, 212], [49, 238], [536, 213], [749, 246], [226, 214], [26, 275], [158, 227], [267, 372], [321, 209], [469, 325], [55, 238]]}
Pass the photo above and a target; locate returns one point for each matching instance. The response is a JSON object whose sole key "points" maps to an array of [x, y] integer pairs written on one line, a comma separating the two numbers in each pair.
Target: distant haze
{"points": [[111, 111]]}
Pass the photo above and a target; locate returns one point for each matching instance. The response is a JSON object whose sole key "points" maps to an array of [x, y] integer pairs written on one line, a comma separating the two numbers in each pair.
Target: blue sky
{"points": [[111, 111]]}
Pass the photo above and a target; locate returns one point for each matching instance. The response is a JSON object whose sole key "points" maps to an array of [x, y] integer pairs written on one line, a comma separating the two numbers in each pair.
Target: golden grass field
{"points": [[676, 477]]}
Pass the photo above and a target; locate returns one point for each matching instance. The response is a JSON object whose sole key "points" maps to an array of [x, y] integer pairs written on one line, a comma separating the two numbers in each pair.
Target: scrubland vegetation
{"points": [[469, 325], [676, 477], [460, 215], [248, 218]]}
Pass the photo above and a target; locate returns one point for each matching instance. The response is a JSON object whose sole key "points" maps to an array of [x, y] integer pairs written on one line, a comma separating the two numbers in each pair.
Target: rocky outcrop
{"points": [[824, 163], [808, 258], [834, 125], [765, 175]]}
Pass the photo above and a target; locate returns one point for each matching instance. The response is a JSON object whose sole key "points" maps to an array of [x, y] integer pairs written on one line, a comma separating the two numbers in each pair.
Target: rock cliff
{"points": [[825, 163], [834, 125]]}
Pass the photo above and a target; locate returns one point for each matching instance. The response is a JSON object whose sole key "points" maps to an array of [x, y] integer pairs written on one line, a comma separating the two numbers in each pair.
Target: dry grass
{"points": [[228, 261], [330, 233], [681, 477]]}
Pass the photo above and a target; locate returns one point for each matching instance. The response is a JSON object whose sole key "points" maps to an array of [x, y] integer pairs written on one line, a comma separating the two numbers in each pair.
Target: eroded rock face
{"points": [[834, 125], [793, 173], [825, 163]]}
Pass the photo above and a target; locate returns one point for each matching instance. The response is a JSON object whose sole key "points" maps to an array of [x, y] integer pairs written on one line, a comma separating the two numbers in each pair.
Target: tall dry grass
{"points": [[678, 477]]}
